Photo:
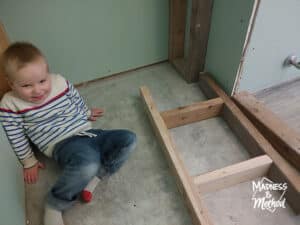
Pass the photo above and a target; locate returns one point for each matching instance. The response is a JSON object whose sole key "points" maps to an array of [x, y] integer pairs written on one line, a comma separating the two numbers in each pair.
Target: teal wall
{"points": [[12, 191], [275, 36], [228, 31], [85, 40]]}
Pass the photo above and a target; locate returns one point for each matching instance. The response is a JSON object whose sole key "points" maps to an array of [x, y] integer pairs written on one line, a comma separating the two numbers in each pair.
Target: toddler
{"points": [[45, 110]]}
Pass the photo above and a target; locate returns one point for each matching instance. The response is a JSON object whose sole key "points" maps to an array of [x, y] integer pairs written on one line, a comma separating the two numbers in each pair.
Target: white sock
{"points": [[92, 184], [53, 216], [87, 193]]}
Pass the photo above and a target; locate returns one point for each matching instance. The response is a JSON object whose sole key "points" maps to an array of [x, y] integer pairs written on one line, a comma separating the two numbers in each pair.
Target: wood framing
{"points": [[199, 33], [4, 42], [177, 21], [292, 194], [266, 162], [253, 140], [234, 174], [279, 134], [192, 113], [184, 181], [192, 63]]}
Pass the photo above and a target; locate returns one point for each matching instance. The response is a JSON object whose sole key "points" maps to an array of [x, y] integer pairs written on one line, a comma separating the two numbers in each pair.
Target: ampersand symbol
{"points": [[268, 194]]}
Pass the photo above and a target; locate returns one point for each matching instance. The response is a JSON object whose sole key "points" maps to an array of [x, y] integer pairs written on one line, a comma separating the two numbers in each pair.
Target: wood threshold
{"points": [[233, 174], [192, 113]]}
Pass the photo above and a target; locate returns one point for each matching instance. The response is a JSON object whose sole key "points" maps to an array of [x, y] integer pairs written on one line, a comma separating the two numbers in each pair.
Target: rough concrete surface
{"points": [[144, 190]]}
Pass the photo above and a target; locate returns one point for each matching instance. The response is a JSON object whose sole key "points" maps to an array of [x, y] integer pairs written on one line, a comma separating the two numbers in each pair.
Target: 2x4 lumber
{"points": [[177, 18], [233, 174], [192, 113], [205, 88], [199, 32], [184, 181], [252, 139], [256, 144], [284, 139], [4, 42], [292, 195], [3, 39], [179, 65]]}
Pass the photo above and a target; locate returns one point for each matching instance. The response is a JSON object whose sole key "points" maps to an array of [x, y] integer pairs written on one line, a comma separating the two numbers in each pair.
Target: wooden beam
{"points": [[292, 195], [252, 139], [179, 64], [284, 139], [177, 23], [233, 174], [199, 33], [192, 113], [184, 181], [205, 88], [4, 42]]}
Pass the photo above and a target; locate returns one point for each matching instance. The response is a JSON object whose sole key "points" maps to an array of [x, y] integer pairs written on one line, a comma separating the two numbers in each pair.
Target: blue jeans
{"points": [[82, 157]]}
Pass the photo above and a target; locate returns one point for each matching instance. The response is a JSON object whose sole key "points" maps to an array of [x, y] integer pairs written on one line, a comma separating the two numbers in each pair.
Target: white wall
{"points": [[275, 35]]}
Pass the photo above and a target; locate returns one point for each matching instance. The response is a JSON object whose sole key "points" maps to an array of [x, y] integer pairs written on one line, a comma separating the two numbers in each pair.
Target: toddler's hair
{"points": [[17, 55]]}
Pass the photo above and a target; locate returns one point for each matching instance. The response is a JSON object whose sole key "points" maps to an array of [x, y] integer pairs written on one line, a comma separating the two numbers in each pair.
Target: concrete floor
{"points": [[144, 192]]}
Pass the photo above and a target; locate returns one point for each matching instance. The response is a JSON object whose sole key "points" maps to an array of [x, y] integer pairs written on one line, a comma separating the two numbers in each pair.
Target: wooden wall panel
{"points": [[3, 45]]}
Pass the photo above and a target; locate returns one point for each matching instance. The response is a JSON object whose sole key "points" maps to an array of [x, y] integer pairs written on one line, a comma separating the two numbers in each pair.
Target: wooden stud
{"points": [[184, 181], [284, 139], [177, 21], [4, 42], [233, 174], [192, 113], [192, 63], [179, 64], [199, 33]]}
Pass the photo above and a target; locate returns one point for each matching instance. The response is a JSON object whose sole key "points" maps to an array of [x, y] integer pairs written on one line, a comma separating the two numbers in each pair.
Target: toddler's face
{"points": [[32, 83]]}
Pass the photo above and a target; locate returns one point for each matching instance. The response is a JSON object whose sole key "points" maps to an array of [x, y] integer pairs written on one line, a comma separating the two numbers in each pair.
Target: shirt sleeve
{"points": [[12, 124], [78, 100]]}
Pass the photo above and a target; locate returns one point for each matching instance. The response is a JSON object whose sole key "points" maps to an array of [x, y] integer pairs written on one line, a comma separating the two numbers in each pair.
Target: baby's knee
{"points": [[88, 171], [130, 138]]}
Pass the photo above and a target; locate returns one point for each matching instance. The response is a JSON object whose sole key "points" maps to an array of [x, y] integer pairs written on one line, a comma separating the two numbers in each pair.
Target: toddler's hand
{"points": [[95, 113], [31, 174]]}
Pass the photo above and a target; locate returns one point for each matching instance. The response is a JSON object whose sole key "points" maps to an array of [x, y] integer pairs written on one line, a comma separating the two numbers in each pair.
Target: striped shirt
{"points": [[63, 114]]}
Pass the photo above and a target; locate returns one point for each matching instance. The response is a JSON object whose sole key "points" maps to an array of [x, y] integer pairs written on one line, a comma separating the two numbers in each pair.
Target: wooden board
{"points": [[4, 42], [292, 195], [184, 181], [262, 165], [192, 113], [284, 139], [199, 33], [233, 174], [190, 64], [283, 100], [252, 139], [177, 21]]}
